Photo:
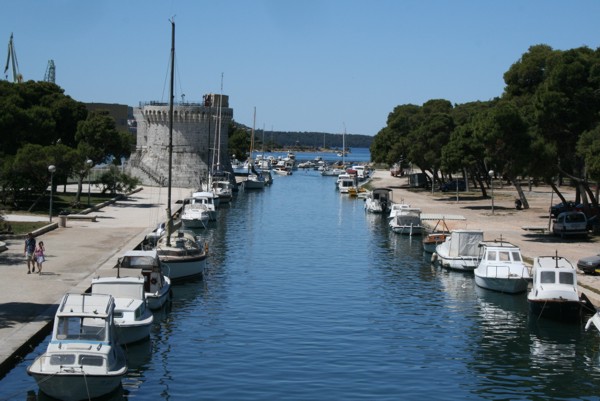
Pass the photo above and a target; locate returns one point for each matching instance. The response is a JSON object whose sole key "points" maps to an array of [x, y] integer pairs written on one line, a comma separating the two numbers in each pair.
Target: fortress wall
{"points": [[193, 133]]}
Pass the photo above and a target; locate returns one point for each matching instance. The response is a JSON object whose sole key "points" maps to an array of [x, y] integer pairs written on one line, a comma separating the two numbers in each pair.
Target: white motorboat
{"points": [[379, 200], [83, 359], [501, 268], [460, 250], [182, 257], [157, 287], [132, 317], [254, 181], [208, 199], [345, 182], [332, 171], [554, 292], [282, 171], [194, 215], [407, 221], [223, 186]]}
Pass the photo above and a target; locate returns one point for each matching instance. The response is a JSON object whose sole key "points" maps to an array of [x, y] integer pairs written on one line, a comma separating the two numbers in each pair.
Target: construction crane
{"points": [[12, 56], [50, 75]]}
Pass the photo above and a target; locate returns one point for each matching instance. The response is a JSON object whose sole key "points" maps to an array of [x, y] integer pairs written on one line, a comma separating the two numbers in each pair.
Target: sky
{"points": [[305, 65]]}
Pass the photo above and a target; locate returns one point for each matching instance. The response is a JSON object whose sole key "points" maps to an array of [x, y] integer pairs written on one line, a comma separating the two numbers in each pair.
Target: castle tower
{"points": [[195, 141]]}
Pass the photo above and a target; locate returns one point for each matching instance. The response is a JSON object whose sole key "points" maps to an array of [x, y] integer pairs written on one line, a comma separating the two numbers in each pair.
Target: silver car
{"points": [[570, 223]]}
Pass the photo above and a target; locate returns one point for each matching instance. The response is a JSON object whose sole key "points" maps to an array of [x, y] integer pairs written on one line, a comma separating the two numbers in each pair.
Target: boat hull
{"points": [[136, 331], [75, 387], [180, 268], [194, 223], [505, 285], [556, 309], [156, 300]]}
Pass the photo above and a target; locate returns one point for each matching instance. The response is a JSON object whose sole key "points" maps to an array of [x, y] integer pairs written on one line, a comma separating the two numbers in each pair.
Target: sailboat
{"points": [[182, 257], [219, 180], [255, 179]]}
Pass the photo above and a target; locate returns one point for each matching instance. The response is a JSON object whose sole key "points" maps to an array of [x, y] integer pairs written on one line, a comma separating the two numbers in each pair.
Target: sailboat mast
{"points": [[220, 122], [171, 100]]}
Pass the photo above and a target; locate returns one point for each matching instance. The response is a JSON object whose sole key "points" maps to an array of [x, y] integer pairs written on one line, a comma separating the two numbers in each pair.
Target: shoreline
{"points": [[505, 222]]}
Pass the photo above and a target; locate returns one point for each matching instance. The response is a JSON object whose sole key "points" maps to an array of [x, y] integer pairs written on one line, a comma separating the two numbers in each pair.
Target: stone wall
{"points": [[194, 136]]}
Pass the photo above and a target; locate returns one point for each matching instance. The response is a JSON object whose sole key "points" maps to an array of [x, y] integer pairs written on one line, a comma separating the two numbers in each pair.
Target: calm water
{"points": [[309, 298]]}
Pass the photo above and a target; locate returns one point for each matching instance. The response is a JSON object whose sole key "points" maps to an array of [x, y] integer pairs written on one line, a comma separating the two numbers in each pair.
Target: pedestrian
{"points": [[40, 257], [29, 251]]}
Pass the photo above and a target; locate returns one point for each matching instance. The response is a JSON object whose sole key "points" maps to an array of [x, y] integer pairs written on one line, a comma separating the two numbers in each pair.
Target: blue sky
{"points": [[306, 65]]}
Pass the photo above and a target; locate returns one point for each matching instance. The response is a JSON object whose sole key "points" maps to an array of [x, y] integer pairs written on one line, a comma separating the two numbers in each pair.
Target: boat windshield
{"points": [[78, 328], [566, 278]]}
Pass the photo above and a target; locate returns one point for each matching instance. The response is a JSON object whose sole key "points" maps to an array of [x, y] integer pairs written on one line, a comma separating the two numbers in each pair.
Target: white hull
{"points": [[158, 298], [179, 268], [194, 223], [128, 333], [506, 285], [464, 263], [75, 385]]}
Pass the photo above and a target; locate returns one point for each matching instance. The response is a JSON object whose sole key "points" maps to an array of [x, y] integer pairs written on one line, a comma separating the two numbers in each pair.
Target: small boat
{"points": [[554, 292], [208, 199], [83, 359], [436, 236], [407, 222], [345, 182], [460, 251], [131, 316], [223, 186], [379, 200], [182, 257], [194, 214], [282, 171], [501, 268], [395, 209], [157, 287]]}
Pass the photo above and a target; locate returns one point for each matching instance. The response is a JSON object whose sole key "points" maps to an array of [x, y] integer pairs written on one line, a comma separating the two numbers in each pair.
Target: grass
{"points": [[24, 227]]}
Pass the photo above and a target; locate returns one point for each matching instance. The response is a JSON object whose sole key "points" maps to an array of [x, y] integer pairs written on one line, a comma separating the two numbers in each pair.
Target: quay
{"points": [[74, 255]]}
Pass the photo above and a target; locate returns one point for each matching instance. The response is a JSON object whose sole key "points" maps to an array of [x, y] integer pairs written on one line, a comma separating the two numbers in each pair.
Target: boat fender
{"points": [[434, 257], [206, 247]]}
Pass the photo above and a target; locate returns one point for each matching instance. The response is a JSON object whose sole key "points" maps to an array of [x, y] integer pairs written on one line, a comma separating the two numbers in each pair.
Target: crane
{"points": [[12, 56], [50, 75]]}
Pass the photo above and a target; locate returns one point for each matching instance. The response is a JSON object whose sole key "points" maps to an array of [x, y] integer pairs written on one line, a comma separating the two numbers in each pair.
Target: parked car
{"points": [[561, 207], [589, 264], [452, 185], [570, 223]]}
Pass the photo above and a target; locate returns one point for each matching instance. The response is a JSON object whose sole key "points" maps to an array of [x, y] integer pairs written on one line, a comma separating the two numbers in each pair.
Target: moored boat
{"points": [[501, 268], [554, 292], [379, 200], [132, 317], [182, 257], [83, 359], [460, 250], [157, 286], [407, 221]]}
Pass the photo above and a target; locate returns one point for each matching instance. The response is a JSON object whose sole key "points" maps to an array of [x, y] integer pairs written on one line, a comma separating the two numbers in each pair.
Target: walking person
{"points": [[29, 251], [40, 256]]}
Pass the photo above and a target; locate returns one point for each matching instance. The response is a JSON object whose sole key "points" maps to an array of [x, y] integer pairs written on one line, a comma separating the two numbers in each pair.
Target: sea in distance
{"points": [[307, 297]]}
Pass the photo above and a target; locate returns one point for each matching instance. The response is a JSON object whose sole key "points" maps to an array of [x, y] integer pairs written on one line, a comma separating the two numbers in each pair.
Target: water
{"points": [[309, 298]]}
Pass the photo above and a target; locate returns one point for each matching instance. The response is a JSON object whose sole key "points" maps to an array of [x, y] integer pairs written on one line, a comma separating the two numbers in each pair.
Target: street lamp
{"points": [[51, 169], [89, 164], [491, 174]]}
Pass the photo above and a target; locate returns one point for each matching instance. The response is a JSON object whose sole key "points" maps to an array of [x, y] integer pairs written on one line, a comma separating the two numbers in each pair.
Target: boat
{"points": [[83, 359], [554, 292], [379, 200], [208, 199], [222, 186], [395, 209], [194, 214], [460, 251], [501, 268], [255, 179], [438, 234], [345, 182], [282, 171], [157, 286], [407, 221], [132, 317], [184, 257]]}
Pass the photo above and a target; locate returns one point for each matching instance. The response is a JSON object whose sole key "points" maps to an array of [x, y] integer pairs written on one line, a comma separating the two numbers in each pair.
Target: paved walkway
{"points": [[74, 254]]}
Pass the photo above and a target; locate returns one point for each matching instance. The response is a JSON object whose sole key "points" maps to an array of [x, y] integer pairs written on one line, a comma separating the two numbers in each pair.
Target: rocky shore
{"points": [[505, 221]]}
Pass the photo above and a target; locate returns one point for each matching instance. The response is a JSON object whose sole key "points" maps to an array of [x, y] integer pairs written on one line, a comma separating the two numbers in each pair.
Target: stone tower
{"points": [[195, 141]]}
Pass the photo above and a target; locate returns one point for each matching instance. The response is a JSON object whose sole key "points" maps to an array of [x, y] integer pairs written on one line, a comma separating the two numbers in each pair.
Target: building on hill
{"points": [[195, 140]]}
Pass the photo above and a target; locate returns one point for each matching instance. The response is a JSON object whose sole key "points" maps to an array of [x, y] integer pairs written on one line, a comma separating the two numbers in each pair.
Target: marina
{"points": [[342, 309]]}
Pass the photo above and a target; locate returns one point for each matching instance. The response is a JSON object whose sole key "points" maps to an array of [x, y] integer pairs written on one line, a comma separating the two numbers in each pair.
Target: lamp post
{"points": [[51, 169], [89, 164], [491, 174]]}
